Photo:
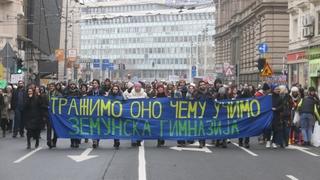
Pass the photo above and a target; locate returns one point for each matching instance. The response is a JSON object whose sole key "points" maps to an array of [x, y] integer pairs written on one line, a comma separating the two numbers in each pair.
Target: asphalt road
{"points": [[151, 163]]}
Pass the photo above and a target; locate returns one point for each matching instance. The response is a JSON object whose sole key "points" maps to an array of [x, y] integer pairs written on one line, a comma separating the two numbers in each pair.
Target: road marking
{"points": [[142, 163], [292, 177], [83, 156], [302, 149], [204, 149], [27, 155], [246, 150]]}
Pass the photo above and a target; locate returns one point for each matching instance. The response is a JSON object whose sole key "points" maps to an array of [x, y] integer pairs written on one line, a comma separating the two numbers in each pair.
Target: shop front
{"points": [[314, 68], [298, 68]]}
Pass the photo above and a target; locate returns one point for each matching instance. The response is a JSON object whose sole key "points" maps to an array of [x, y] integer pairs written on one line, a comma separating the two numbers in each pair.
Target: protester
{"points": [[115, 93], [308, 110], [96, 91], [52, 142], [73, 91], [277, 108], [160, 93], [32, 117], [294, 100], [137, 93], [17, 104]]}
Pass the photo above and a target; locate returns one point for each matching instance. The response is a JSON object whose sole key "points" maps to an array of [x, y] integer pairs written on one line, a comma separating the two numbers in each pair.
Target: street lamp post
{"points": [[66, 41]]}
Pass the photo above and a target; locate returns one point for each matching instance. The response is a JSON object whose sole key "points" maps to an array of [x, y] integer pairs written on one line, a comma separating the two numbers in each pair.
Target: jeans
{"points": [[307, 122]]}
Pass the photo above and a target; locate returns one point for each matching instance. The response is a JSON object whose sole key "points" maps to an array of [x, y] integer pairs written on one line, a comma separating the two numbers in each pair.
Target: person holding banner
{"points": [[116, 94], [32, 117], [160, 93], [202, 94], [52, 142], [96, 91], [137, 93], [73, 91], [277, 108], [245, 94], [83, 93], [222, 95]]}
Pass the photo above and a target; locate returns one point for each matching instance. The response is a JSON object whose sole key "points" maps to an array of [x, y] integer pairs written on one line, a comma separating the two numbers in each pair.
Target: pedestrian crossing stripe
{"points": [[267, 71]]}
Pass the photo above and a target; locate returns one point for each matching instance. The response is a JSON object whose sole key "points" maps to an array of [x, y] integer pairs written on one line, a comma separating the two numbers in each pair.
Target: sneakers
{"points": [[268, 144], [274, 146]]}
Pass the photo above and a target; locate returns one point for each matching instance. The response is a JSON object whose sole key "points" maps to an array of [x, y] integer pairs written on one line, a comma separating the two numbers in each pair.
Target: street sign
{"points": [[263, 48], [193, 71], [96, 63], [111, 66], [3, 84], [59, 54], [72, 55], [15, 78], [229, 72], [267, 71], [105, 64]]}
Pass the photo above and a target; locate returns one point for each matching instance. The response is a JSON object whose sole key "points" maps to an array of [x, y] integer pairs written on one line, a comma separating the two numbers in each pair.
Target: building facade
{"points": [[304, 43], [240, 27], [11, 29], [153, 40]]}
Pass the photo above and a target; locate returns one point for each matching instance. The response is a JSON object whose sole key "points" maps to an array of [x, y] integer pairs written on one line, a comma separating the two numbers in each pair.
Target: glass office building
{"points": [[153, 40]]}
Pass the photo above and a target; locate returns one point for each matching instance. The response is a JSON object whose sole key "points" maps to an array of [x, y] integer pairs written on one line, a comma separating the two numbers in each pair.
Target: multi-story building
{"points": [[11, 21], [153, 40], [70, 40], [244, 24], [304, 43]]}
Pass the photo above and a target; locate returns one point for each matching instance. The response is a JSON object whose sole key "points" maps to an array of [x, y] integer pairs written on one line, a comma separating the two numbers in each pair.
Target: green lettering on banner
{"points": [[105, 107], [115, 126], [234, 127], [146, 129], [161, 126], [106, 124], [192, 129], [83, 124], [135, 130], [182, 128], [73, 106], [253, 114], [53, 104], [216, 127], [173, 128], [201, 131], [244, 107], [95, 107], [94, 126], [75, 126], [125, 126], [62, 102]]}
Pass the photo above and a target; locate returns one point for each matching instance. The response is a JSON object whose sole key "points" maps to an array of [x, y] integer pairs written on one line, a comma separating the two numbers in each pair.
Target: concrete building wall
{"points": [[242, 26]]}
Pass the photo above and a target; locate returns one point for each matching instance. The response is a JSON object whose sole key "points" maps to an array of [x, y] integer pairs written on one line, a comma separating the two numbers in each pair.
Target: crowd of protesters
{"points": [[295, 110]]}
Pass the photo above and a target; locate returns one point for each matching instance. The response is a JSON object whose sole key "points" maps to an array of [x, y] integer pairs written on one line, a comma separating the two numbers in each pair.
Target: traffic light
{"points": [[19, 66], [261, 64]]}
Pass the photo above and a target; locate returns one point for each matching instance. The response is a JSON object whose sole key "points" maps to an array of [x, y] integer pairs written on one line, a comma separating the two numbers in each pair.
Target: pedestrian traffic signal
{"points": [[261, 64], [19, 66]]}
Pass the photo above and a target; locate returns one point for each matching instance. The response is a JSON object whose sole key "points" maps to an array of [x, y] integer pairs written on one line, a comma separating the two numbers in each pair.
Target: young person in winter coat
{"points": [[160, 93], [32, 117], [96, 91], [308, 114], [52, 142], [137, 93], [73, 91], [115, 93]]}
